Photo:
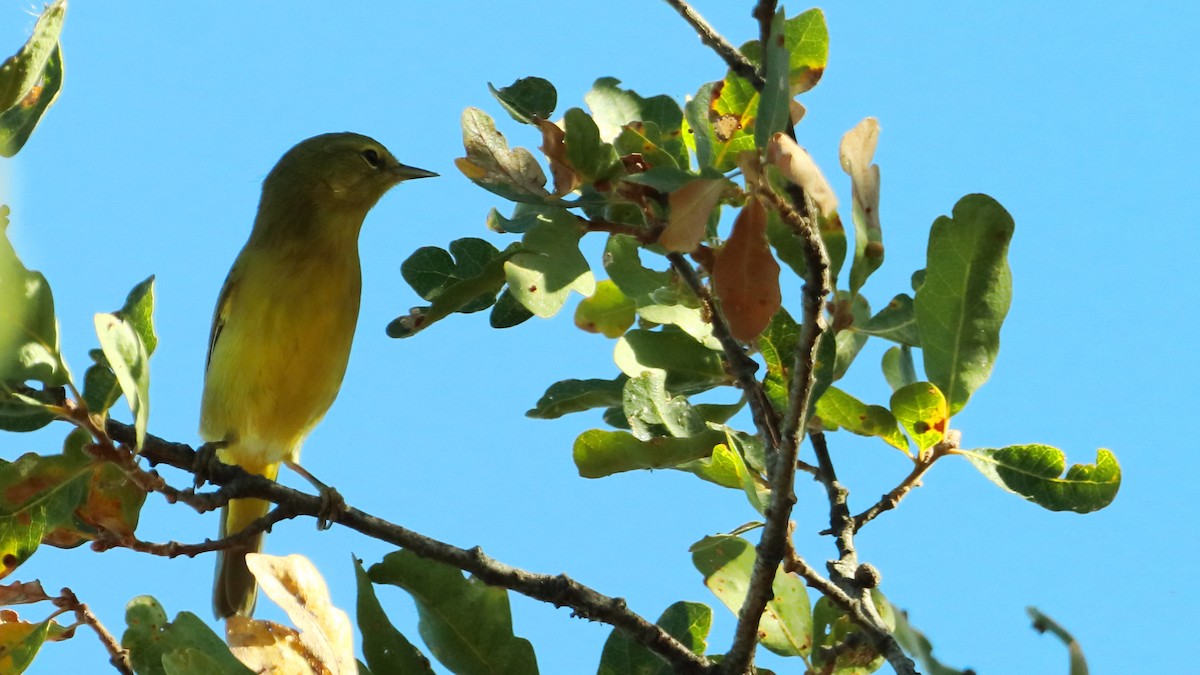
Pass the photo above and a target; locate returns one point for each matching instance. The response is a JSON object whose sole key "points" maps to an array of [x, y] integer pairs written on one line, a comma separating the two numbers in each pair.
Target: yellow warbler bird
{"points": [[284, 322]]}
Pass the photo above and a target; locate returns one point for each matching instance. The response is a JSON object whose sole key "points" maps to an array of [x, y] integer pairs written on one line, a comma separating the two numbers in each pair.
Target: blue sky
{"points": [[1075, 116]]}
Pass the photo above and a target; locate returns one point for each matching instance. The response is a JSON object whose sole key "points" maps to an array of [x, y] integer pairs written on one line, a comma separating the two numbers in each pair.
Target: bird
{"points": [[283, 325]]}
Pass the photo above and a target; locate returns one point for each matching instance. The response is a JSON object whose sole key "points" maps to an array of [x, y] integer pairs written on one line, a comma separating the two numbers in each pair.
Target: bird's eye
{"points": [[371, 158]]}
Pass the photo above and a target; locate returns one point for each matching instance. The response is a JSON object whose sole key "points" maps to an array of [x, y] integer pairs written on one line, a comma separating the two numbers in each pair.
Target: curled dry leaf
{"points": [[691, 206], [565, 177], [798, 167], [22, 593], [324, 639], [746, 276], [856, 153]]}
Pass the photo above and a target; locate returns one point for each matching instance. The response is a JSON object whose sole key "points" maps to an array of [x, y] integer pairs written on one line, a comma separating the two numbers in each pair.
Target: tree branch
{"points": [[736, 61], [558, 590], [119, 658], [741, 365], [855, 580], [892, 498]]}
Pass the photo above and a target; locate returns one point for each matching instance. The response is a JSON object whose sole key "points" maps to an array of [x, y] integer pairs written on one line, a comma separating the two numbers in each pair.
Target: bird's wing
{"points": [[221, 313]]}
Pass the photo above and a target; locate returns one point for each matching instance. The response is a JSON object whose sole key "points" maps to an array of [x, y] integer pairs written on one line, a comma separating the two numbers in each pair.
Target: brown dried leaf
{"points": [[565, 177], [270, 648], [691, 206], [798, 166], [22, 593], [746, 276], [325, 632]]}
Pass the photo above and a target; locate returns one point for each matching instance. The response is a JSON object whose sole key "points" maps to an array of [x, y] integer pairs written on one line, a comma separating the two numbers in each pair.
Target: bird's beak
{"points": [[405, 172]]}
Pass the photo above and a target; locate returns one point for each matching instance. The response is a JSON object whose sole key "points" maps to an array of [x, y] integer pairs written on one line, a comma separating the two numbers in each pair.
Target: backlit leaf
{"points": [[746, 276], [965, 296]]}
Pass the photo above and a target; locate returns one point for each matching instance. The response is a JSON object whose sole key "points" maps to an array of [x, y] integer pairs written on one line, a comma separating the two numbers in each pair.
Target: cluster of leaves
{"points": [[655, 178]]}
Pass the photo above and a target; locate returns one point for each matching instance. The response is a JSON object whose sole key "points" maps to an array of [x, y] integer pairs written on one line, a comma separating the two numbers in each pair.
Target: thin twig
{"points": [[892, 498], [174, 549], [116, 655], [741, 365], [847, 573], [558, 590], [736, 61]]}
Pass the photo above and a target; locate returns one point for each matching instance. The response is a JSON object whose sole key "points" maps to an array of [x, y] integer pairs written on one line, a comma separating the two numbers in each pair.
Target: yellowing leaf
{"points": [[921, 410], [324, 640], [798, 166], [607, 311], [691, 206], [746, 276], [856, 152]]}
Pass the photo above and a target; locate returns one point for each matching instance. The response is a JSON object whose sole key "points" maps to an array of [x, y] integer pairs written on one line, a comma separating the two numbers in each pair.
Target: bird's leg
{"points": [[206, 455], [332, 504]]}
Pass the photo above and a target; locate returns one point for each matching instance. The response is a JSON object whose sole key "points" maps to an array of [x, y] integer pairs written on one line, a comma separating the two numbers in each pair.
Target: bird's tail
{"points": [[235, 590]]}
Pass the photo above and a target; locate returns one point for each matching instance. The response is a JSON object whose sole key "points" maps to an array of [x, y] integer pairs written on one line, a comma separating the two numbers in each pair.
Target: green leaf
{"points": [[600, 453], [513, 174], [807, 40], [28, 329], [727, 468], [127, 356], [549, 266], [732, 114], [688, 622], [777, 344], [464, 622], [850, 342], [385, 648], [656, 147], [594, 159], [651, 411], [690, 366], [698, 132], [1036, 473], [856, 153], [21, 72], [571, 396], [431, 271], [898, 367], [832, 628], [918, 646], [921, 409], [896, 322], [773, 112], [523, 219], [153, 642], [839, 409], [18, 122], [659, 296], [100, 387], [20, 642], [1043, 623], [527, 98], [615, 108], [665, 179], [37, 495], [727, 563], [508, 312], [607, 311], [790, 247], [965, 296]]}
